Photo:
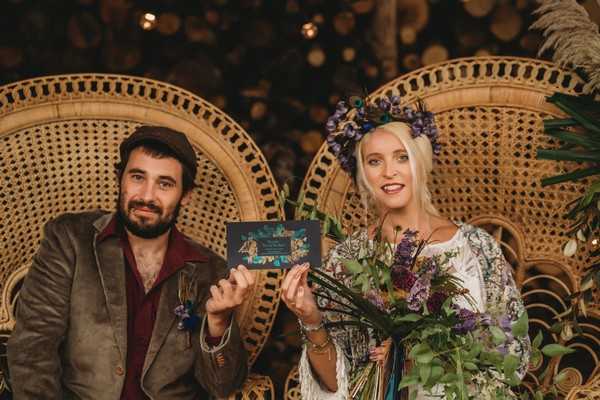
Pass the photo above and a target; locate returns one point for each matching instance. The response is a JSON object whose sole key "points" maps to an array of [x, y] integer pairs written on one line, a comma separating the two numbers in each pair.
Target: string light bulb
{"points": [[148, 21], [310, 30]]}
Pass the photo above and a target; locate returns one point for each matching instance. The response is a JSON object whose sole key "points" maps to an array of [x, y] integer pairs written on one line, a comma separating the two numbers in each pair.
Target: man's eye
{"points": [[137, 177], [166, 185]]}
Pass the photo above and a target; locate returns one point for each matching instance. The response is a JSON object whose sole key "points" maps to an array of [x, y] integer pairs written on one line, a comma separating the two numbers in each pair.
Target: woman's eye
{"points": [[403, 157], [373, 162]]}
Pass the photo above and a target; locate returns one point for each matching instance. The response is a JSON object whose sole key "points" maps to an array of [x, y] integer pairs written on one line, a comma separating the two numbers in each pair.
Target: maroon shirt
{"points": [[142, 307]]}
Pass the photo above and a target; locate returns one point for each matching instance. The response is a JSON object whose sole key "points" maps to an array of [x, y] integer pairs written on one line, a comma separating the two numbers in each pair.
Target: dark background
{"points": [[252, 59]]}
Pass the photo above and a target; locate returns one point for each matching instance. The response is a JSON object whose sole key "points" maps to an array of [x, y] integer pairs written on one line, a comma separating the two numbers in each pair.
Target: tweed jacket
{"points": [[70, 339]]}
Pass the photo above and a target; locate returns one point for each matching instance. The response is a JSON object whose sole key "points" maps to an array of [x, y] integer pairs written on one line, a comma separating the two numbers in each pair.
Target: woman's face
{"points": [[387, 170]]}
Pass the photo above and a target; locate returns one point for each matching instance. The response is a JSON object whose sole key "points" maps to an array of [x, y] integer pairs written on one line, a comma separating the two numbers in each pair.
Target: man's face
{"points": [[151, 193]]}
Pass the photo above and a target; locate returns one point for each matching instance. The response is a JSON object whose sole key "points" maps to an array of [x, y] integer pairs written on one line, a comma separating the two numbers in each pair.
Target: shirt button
{"points": [[119, 371]]}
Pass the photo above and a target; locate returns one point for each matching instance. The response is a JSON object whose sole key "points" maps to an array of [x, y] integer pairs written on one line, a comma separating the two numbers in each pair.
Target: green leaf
{"points": [[408, 318], [538, 340], [436, 372], [513, 380], [408, 380], [553, 350], [424, 372], [557, 327], [560, 377], [498, 336], [420, 348], [582, 108], [470, 366], [521, 327], [449, 377], [535, 357], [568, 155], [353, 266], [510, 365], [538, 395], [425, 358], [571, 176], [475, 350]]}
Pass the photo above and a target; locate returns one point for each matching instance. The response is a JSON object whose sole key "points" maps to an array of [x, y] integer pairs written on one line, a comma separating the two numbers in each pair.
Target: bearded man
{"points": [[124, 306]]}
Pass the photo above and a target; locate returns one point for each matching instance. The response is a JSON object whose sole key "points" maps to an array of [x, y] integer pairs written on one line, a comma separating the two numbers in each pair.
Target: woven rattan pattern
{"points": [[58, 146], [489, 112]]}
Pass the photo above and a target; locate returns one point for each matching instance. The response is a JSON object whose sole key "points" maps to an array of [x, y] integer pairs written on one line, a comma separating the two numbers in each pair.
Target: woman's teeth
{"points": [[392, 188]]}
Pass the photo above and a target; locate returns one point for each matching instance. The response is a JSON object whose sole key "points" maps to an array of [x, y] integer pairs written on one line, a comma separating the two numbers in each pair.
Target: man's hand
{"points": [[226, 295]]}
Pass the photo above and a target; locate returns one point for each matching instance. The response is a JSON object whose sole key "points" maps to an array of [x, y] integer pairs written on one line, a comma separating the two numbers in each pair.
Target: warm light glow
{"points": [[309, 30], [595, 242], [148, 21]]}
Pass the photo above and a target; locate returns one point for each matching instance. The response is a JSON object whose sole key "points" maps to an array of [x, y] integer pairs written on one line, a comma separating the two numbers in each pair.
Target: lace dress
{"points": [[471, 255]]}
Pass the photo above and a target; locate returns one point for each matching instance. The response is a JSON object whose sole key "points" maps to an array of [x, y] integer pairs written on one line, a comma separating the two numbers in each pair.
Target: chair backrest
{"points": [[59, 138], [489, 112]]}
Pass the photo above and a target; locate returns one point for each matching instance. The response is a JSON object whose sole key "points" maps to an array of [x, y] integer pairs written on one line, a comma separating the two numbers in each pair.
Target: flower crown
{"points": [[354, 118]]}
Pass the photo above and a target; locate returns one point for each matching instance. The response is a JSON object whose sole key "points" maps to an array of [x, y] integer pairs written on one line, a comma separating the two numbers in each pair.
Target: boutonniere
{"points": [[186, 310], [188, 319]]}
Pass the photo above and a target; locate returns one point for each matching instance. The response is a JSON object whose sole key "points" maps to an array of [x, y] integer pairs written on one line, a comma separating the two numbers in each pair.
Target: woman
{"points": [[389, 152]]}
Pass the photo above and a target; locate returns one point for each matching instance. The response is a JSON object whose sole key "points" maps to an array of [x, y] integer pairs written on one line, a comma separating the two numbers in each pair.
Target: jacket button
{"points": [[120, 371]]}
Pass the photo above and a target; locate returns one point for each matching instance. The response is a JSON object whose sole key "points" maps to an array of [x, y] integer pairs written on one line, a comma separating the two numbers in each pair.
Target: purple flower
{"points": [[375, 298], [403, 256], [331, 125], [403, 278], [435, 301], [467, 321], [419, 292], [188, 320]]}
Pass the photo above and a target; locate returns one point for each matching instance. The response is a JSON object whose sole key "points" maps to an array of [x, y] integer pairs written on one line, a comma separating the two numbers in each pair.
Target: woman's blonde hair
{"points": [[420, 155]]}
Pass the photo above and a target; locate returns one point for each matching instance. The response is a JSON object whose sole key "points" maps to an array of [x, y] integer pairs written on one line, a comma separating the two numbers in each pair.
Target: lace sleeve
{"points": [[351, 344]]}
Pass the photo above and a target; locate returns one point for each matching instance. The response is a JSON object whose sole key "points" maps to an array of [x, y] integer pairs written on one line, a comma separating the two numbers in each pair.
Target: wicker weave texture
{"points": [[489, 112], [59, 140]]}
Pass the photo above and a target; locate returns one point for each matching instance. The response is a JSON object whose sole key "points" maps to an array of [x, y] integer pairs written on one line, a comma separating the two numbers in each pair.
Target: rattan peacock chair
{"points": [[490, 112], [59, 138]]}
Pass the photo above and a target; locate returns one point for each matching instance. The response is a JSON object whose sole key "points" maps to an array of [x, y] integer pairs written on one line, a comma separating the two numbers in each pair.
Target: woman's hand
{"points": [[380, 353], [298, 296]]}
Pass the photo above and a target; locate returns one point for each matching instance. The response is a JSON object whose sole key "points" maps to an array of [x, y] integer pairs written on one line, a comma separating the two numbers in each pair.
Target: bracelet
{"points": [[319, 348], [310, 328]]}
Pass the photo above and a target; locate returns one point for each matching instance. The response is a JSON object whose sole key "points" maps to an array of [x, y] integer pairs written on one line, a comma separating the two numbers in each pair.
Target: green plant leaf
{"points": [[411, 317], [560, 377], [521, 327], [353, 266], [425, 358], [424, 372], [436, 372], [571, 176], [408, 380], [498, 336], [449, 377], [553, 350], [418, 349], [581, 108], [538, 340], [510, 365], [539, 395], [568, 155], [470, 366]]}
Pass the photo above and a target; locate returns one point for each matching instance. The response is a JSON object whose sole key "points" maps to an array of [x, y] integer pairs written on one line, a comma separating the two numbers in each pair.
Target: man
{"points": [[109, 307]]}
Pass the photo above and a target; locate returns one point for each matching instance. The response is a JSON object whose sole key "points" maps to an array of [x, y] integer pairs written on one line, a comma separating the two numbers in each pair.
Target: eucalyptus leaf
{"points": [[424, 372], [538, 340], [520, 327], [498, 336], [449, 377], [411, 317], [553, 350], [470, 366], [510, 365], [425, 358], [353, 266], [408, 380]]}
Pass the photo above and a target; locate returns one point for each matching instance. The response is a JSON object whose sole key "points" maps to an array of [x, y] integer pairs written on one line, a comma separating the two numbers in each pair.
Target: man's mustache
{"points": [[142, 204]]}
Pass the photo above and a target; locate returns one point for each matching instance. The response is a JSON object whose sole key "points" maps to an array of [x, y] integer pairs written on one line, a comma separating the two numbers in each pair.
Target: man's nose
{"points": [[147, 192]]}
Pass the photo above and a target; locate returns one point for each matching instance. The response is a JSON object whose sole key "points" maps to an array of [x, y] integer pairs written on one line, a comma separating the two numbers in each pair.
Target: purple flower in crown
{"points": [[358, 116]]}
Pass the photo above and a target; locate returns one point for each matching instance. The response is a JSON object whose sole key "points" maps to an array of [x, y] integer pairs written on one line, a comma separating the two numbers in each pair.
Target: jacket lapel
{"points": [[111, 265], [165, 317]]}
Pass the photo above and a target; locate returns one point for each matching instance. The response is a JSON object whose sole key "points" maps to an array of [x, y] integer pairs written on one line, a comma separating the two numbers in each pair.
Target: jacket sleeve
{"points": [[223, 368], [42, 319]]}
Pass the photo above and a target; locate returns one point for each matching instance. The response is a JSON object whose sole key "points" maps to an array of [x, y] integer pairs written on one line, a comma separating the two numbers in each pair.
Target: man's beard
{"points": [[146, 230]]}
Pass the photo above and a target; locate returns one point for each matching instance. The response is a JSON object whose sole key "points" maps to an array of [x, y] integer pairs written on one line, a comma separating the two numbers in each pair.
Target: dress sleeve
{"points": [[503, 299], [350, 343]]}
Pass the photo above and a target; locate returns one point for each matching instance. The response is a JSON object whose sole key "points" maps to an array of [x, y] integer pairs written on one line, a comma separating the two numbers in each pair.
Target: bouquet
{"points": [[414, 301]]}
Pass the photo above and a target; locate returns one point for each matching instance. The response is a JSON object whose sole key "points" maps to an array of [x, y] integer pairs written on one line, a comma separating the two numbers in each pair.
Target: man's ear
{"points": [[187, 196]]}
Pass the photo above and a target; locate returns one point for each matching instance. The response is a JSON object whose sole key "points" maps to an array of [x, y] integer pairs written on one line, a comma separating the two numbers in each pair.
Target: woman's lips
{"points": [[392, 188]]}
